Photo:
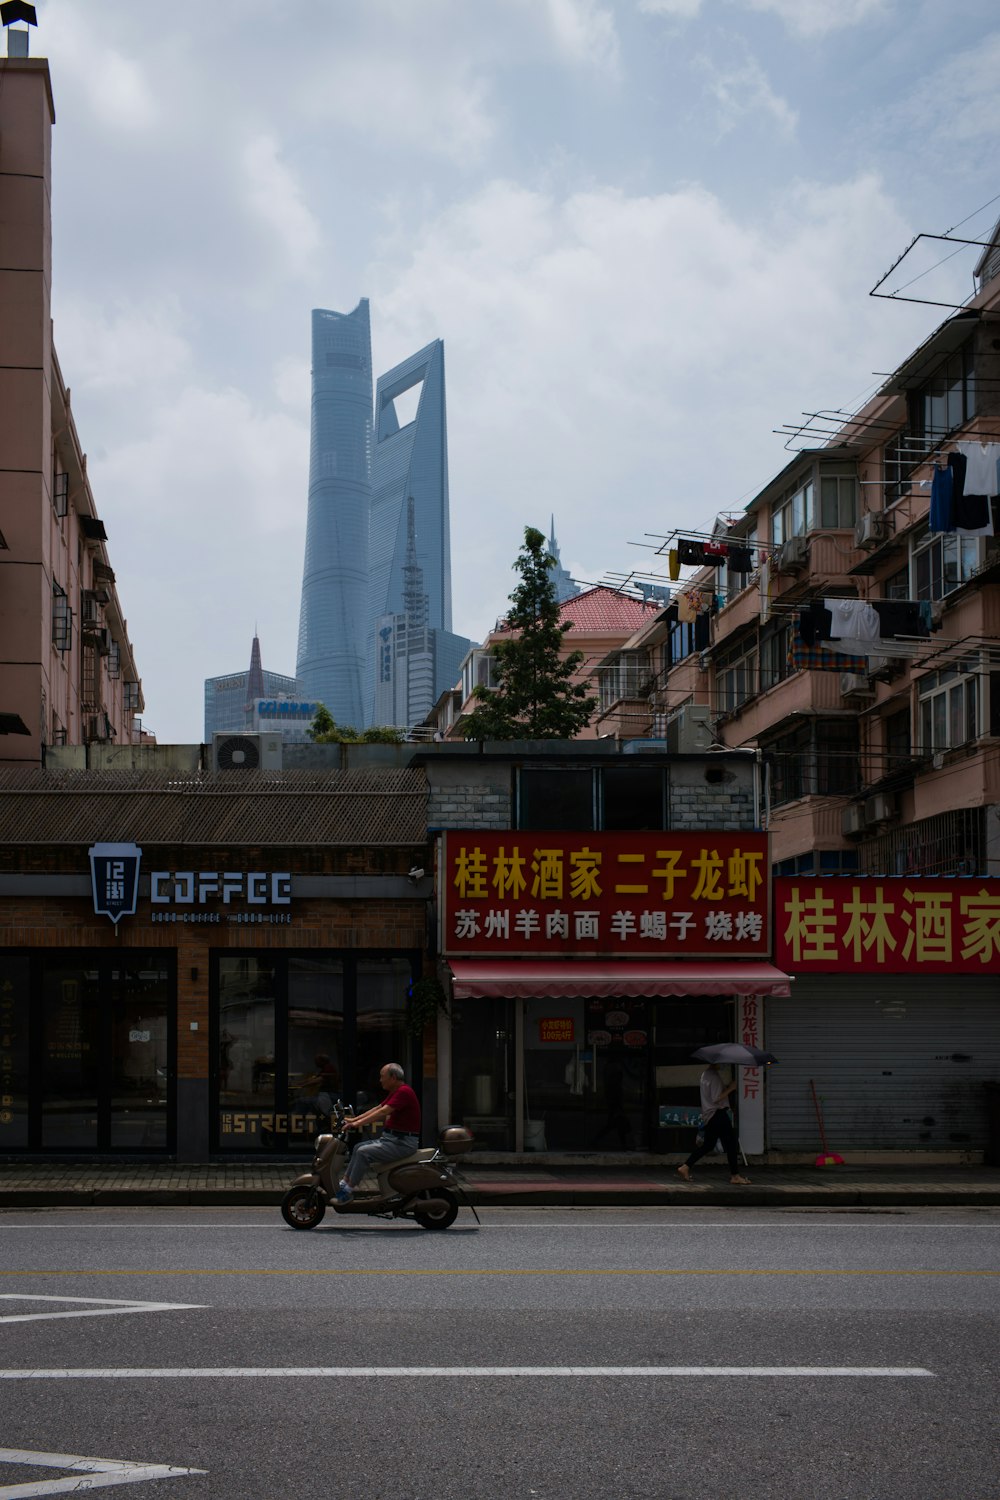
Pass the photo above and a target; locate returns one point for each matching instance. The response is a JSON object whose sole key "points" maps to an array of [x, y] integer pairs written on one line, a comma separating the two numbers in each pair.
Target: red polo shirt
{"points": [[404, 1110]]}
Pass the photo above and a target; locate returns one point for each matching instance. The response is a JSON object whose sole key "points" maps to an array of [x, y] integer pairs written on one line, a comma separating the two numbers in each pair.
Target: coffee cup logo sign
{"points": [[114, 879]]}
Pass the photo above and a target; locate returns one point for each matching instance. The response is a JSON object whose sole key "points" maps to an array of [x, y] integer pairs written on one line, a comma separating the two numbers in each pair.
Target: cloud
{"points": [[956, 101], [804, 18], [274, 196], [585, 33], [745, 90], [811, 18], [437, 105], [622, 360], [213, 487], [117, 87], [129, 347]]}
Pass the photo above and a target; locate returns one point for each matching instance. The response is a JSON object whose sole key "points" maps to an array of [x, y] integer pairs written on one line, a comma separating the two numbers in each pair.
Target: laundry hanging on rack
{"points": [[962, 494], [848, 625], [823, 659]]}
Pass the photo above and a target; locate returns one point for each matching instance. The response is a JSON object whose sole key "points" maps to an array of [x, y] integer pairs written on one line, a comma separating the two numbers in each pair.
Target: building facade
{"points": [[166, 992], [333, 620], [230, 701], [68, 673]]}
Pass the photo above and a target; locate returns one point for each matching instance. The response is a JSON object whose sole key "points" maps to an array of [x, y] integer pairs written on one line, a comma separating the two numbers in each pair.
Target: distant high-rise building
{"points": [[365, 473], [333, 622], [413, 657], [561, 581], [230, 700]]}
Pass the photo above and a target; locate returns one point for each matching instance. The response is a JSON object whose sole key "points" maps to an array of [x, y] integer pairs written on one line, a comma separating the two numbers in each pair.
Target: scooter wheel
{"points": [[437, 1218], [302, 1208]]}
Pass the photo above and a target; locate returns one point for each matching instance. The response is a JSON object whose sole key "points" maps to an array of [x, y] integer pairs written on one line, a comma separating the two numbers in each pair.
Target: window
{"points": [[821, 756], [774, 648], [948, 709], [130, 697], [944, 402], [629, 676], [633, 797], [942, 562], [60, 493], [62, 619], [788, 515], [477, 672], [736, 675], [560, 798], [838, 502], [897, 585], [680, 642], [896, 737]]}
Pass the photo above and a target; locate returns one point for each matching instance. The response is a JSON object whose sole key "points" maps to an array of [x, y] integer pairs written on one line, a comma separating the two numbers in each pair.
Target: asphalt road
{"points": [[672, 1354]]}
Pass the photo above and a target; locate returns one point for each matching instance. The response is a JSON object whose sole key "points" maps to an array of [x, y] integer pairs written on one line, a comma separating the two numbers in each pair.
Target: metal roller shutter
{"points": [[899, 1063]]}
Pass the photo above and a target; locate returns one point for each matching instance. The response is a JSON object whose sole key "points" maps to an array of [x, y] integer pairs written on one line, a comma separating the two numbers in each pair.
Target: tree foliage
{"points": [[324, 730], [534, 697]]}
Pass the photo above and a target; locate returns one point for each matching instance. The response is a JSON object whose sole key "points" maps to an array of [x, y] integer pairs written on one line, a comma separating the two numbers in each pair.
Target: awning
{"points": [[564, 979]]}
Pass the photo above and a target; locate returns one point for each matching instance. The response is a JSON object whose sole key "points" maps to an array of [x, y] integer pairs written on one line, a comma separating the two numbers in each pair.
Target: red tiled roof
{"points": [[602, 608]]}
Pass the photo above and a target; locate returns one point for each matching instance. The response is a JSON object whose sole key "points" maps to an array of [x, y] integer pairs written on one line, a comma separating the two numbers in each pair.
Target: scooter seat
{"points": [[423, 1154]]}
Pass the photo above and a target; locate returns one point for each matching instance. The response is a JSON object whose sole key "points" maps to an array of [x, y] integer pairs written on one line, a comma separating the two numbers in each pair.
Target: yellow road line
{"points": [[409, 1271]]}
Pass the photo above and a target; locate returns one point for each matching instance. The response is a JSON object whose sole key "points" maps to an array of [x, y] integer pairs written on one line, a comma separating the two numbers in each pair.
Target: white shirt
{"points": [[713, 1092]]}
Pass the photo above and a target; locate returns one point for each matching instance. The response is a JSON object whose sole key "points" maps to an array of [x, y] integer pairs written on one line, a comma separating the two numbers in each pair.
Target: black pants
{"points": [[719, 1128]]}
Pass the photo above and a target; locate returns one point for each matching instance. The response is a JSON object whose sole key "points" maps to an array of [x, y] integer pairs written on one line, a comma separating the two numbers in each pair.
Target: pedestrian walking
{"points": [[716, 1124]]}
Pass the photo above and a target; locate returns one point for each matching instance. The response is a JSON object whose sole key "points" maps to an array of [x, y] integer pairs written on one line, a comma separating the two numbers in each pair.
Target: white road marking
{"points": [[470, 1372], [756, 1225], [87, 1473], [98, 1307]]}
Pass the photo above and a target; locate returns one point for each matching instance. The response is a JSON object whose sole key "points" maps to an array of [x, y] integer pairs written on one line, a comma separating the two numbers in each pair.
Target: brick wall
{"points": [[42, 923]]}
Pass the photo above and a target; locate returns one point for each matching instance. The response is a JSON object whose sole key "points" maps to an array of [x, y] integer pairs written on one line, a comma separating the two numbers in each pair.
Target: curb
{"points": [[722, 1195]]}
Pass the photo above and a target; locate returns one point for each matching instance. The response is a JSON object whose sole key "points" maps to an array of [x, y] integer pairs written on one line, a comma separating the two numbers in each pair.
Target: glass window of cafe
{"points": [[602, 1074], [293, 1032], [87, 1051]]}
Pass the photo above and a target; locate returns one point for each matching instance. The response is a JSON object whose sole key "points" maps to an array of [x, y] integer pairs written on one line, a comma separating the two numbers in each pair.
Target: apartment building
{"points": [[67, 668], [846, 628]]}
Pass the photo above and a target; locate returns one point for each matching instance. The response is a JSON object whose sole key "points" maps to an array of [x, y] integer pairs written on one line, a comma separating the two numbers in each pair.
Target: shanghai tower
{"points": [[335, 586]]}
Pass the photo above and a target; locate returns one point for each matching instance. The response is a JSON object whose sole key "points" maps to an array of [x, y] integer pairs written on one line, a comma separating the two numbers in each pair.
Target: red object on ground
{"points": [[826, 1158]]}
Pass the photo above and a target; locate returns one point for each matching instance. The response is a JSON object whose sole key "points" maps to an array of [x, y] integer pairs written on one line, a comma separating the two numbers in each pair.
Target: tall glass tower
{"points": [[335, 590], [410, 461]]}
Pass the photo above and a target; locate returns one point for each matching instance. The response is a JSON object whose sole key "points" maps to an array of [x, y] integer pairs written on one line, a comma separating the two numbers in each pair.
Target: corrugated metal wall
{"points": [[898, 1062]]}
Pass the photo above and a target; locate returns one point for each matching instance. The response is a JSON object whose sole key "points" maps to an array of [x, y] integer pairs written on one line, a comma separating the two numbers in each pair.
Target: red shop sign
{"points": [[693, 895], [896, 925]]}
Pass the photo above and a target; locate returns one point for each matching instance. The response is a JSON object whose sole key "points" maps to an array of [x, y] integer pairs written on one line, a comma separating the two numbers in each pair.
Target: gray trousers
{"points": [[376, 1153]]}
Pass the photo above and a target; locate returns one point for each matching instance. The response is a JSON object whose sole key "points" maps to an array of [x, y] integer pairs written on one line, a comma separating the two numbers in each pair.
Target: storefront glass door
{"points": [[585, 1075], [100, 1054]]}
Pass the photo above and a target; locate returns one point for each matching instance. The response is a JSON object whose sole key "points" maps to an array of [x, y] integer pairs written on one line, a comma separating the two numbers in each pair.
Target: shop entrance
{"points": [[585, 1075], [90, 1038]]}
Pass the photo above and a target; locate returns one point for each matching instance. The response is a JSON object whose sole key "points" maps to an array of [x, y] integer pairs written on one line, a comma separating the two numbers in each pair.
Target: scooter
{"points": [[423, 1186]]}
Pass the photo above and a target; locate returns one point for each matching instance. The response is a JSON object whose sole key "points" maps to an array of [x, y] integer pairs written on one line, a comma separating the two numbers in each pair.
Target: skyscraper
{"points": [[335, 595], [410, 462]]}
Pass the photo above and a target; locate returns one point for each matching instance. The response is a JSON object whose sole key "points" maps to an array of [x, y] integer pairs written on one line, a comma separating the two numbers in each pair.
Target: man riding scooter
{"points": [[400, 1136]]}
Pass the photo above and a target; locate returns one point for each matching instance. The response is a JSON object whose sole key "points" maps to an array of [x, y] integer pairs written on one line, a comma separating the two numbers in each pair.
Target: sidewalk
{"points": [[57, 1185]]}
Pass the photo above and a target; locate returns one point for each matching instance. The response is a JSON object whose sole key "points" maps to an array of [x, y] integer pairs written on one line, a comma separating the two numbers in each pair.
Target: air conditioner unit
{"points": [[689, 731], [879, 809], [853, 820], [871, 531], [856, 686], [794, 555], [246, 752]]}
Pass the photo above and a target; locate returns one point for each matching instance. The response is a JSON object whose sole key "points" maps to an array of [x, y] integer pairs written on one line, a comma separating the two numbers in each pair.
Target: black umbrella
{"points": [[735, 1052]]}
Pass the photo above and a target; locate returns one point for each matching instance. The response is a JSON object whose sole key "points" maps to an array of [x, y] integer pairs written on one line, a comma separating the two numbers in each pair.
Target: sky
{"points": [[646, 231]]}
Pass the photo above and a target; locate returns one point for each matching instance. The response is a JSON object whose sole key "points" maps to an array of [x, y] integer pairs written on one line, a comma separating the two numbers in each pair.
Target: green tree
{"points": [[534, 697], [324, 730]]}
